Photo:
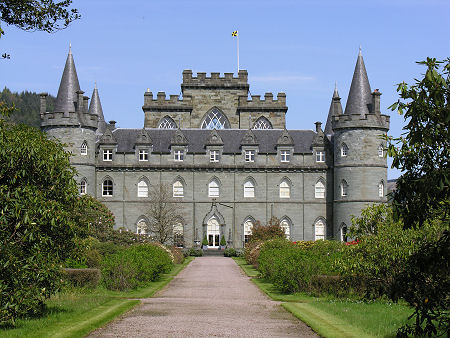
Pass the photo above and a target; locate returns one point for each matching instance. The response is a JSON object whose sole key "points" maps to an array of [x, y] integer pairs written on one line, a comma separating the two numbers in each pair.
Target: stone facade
{"points": [[239, 162]]}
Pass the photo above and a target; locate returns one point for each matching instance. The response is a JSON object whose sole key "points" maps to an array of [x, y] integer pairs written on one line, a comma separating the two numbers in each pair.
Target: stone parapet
{"points": [[215, 81], [268, 103], [345, 121], [174, 103], [68, 119]]}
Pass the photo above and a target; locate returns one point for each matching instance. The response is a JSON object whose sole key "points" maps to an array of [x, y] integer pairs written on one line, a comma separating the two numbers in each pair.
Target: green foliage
{"points": [[223, 242], [26, 106], [371, 218], [269, 231], [204, 241], [194, 252], [82, 277], [42, 15], [230, 252], [423, 151], [425, 284], [37, 230], [135, 266]]}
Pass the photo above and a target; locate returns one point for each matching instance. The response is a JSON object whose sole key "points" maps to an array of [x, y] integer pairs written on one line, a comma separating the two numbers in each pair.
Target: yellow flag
{"points": [[235, 33]]}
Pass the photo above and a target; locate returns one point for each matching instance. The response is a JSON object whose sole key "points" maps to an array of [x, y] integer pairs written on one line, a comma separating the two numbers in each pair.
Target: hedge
{"points": [[83, 277]]}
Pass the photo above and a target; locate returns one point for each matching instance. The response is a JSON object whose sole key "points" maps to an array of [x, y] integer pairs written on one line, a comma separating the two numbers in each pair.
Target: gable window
{"points": [[248, 226], [84, 148], [319, 190], [178, 237], [178, 155], [215, 119], [167, 123], [249, 156], [83, 186], [213, 189], [380, 151], [214, 156], [249, 189], [319, 230], [178, 189], [285, 189], [285, 156], [344, 188], [344, 150], [320, 156], [143, 155], [262, 123], [381, 189], [107, 188], [285, 225], [142, 189], [107, 154]]}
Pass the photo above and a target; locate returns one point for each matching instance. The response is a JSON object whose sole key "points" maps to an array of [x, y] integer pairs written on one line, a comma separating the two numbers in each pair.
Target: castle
{"points": [[228, 159]]}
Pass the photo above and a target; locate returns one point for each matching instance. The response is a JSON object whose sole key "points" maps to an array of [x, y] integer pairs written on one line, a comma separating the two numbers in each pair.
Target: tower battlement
{"points": [[348, 121], [268, 103], [162, 103], [228, 81]]}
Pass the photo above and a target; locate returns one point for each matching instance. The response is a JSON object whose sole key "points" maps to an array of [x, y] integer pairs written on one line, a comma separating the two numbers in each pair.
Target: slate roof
{"points": [[161, 138], [68, 87]]}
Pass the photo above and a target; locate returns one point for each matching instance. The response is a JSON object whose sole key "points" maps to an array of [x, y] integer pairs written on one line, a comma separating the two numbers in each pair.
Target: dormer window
{"points": [[249, 156], [178, 155], [285, 156], [143, 155], [107, 154], [84, 148], [320, 156], [214, 156]]}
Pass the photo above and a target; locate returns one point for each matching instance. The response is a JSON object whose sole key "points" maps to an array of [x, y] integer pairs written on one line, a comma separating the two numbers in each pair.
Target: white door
{"points": [[213, 232]]}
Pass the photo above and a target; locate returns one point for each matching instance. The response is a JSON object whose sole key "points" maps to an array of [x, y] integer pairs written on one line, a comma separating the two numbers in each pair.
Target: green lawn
{"points": [[76, 312], [331, 317]]}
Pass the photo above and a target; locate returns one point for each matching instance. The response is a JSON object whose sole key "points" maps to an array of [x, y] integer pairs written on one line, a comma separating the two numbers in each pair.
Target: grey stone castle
{"points": [[228, 159]]}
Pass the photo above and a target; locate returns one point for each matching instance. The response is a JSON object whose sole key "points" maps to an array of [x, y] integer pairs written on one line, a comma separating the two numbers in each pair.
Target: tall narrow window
{"points": [[344, 232], [214, 156], [319, 230], [107, 188], [178, 236], [320, 156], [249, 189], [215, 119], [381, 189], [107, 154], [248, 227], [84, 148], [319, 190], [285, 189], [380, 151], [249, 156], [178, 189], [285, 156], [344, 150], [344, 188], [213, 189], [141, 227], [286, 226], [83, 186], [143, 155], [142, 189], [167, 123]]}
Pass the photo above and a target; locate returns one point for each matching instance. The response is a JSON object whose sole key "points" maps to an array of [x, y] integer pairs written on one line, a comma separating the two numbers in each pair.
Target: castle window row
{"points": [[344, 189], [345, 150]]}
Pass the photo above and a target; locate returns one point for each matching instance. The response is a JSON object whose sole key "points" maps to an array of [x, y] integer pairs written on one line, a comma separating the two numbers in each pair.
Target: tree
{"points": [[164, 214], [271, 230], [43, 15], [422, 152], [37, 228]]}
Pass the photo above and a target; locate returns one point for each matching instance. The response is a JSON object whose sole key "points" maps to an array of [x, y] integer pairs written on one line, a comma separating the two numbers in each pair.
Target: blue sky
{"points": [[297, 47]]}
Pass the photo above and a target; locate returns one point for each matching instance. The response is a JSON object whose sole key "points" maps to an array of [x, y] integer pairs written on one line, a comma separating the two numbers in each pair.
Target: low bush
{"points": [[194, 252], [177, 254], [338, 286], [230, 252], [251, 252], [82, 277], [134, 266]]}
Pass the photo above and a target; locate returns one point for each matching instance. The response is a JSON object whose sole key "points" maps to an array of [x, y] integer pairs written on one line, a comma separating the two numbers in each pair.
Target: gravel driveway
{"points": [[210, 298]]}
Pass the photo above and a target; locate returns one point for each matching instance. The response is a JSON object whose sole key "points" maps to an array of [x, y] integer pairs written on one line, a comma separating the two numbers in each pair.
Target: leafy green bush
{"points": [[177, 254], [251, 252], [194, 252], [82, 277], [134, 266], [230, 252], [223, 242], [269, 231]]}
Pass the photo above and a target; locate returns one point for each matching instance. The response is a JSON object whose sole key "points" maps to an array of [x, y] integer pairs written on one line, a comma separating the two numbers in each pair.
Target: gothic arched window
{"points": [[380, 150], [249, 188], [262, 123], [167, 123], [178, 235], [319, 229], [142, 189], [248, 227], [344, 150], [319, 190], [178, 189], [285, 189], [344, 188], [285, 224], [107, 188], [84, 148], [381, 189], [141, 227], [83, 187], [213, 189], [215, 119]]}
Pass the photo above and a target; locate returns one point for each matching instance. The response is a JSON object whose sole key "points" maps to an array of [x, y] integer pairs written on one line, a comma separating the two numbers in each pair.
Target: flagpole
{"points": [[238, 50]]}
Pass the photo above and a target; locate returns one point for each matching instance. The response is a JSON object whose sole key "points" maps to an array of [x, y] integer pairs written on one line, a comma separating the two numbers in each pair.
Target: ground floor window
{"points": [[178, 237], [248, 226], [319, 230]]}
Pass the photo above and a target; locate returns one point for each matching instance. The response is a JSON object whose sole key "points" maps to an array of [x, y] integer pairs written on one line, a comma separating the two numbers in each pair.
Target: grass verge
{"points": [[331, 317], [77, 312]]}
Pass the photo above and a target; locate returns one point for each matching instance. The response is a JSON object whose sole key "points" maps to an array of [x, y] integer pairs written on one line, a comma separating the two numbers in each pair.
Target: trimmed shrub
{"points": [[230, 252], [135, 266], [194, 252], [82, 277]]}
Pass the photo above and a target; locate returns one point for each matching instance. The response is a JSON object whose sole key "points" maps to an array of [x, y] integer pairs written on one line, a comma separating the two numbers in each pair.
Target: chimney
{"points": [[376, 102], [318, 127], [43, 103], [112, 124]]}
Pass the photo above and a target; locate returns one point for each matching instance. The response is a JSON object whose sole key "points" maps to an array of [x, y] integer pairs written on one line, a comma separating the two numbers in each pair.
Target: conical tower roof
{"points": [[95, 107], [67, 92], [335, 109], [359, 96]]}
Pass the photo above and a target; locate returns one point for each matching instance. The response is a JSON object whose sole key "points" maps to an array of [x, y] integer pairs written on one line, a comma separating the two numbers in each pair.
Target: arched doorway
{"points": [[213, 232]]}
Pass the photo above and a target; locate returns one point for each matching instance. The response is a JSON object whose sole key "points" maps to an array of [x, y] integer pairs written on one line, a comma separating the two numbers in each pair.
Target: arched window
{"points": [[178, 189], [83, 187], [285, 189], [344, 188], [84, 148], [248, 227], [319, 189], [178, 235], [381, 189], [285, 224], [262, 123], [215, 119], [213, 189], [380, 151], [344, 150], [319, 229], [107, 187], [249, 188], [344, 232], [142, 190], [141, 227], [167, 123]]}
